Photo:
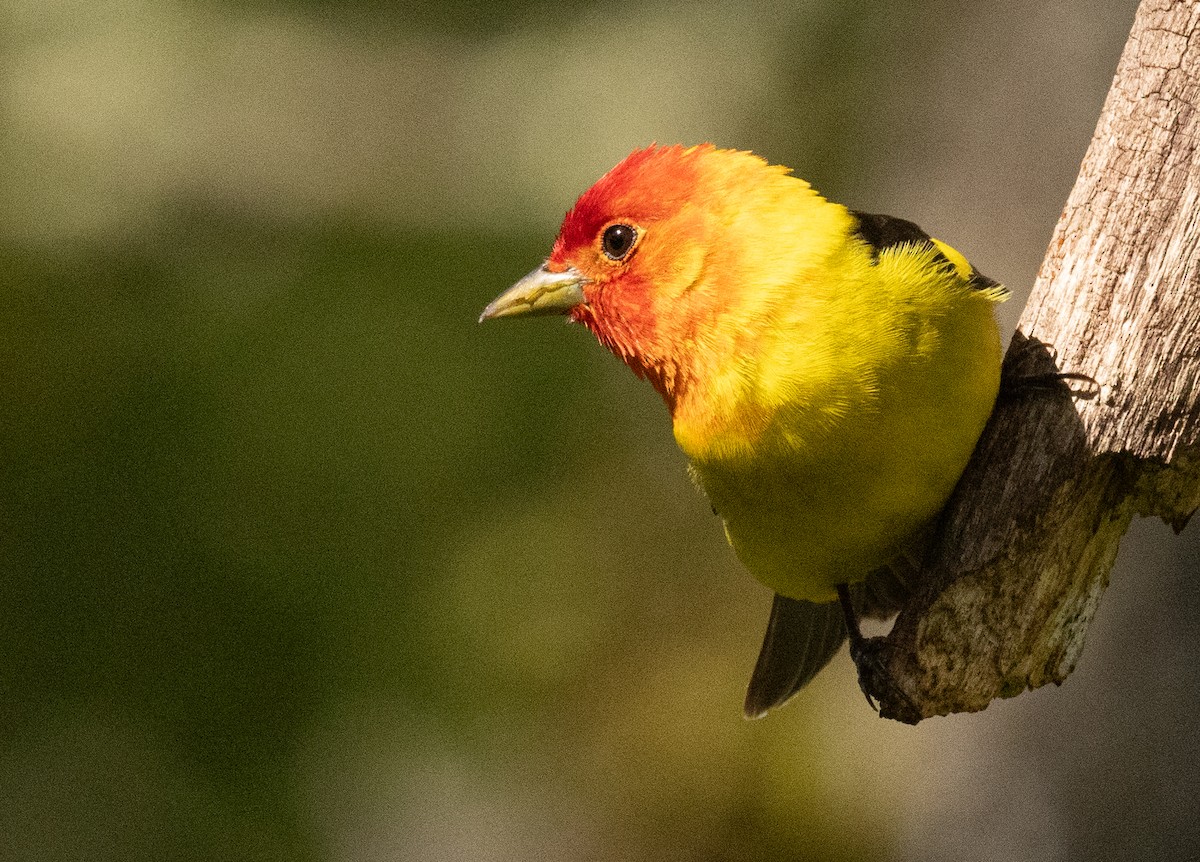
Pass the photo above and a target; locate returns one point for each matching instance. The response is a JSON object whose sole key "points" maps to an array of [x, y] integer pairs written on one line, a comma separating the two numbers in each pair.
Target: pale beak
{"points": [[540, 292]]}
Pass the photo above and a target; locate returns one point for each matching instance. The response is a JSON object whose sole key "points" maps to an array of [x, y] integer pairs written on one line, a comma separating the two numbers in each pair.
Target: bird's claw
{"points": [[866, 654], [1054, 381], [877, 681]]}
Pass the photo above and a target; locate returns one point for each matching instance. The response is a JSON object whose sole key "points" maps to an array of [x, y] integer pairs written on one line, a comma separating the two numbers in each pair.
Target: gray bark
{"points": [[1025, 547]]}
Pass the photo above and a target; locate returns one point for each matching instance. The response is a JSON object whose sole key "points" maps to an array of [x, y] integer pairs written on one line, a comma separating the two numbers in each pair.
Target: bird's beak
{"points": [[540, 292]]}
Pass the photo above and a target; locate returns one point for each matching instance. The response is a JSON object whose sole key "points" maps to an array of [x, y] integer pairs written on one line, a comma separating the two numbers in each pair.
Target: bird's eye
{"points": [[618, 240]]}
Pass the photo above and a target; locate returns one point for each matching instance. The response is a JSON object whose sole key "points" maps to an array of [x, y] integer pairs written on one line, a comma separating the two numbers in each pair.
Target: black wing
{"points": [[880, 232]]}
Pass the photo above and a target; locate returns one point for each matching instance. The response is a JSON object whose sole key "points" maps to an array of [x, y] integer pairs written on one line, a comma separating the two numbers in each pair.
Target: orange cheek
{"points": [[673, 271]]}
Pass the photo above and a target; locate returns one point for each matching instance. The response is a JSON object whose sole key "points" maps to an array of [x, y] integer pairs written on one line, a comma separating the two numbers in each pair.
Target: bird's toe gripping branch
{"points": [[874, 678]]}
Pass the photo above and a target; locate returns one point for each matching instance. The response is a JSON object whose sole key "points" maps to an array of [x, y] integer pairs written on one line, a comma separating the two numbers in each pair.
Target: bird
{"points": [[827, 373]]}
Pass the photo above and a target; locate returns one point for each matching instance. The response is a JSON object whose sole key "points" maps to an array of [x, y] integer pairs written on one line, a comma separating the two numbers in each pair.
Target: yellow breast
{"points": [[842, 434]]}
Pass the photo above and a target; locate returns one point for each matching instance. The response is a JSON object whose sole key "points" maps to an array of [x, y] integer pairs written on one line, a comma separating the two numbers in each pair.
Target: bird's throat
{"points": [[636, 336]]}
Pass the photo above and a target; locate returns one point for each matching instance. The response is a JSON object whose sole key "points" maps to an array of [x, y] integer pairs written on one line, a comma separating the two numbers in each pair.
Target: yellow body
{"points": [[827, 381], [836, 440]]}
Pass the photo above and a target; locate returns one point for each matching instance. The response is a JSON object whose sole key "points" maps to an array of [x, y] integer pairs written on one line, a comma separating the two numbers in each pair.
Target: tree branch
{"points": [[1024, 549]]}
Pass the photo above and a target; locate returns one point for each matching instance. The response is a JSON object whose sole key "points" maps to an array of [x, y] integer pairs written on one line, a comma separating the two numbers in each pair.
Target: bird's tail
{"points": [[803, 636]]}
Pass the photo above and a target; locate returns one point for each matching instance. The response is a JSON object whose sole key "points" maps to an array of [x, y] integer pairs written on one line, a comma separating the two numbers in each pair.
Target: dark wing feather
{"points": [[881, 232]]}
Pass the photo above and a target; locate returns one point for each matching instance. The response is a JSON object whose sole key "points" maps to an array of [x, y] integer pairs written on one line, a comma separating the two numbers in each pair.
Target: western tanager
{"points": [[827, 371]]}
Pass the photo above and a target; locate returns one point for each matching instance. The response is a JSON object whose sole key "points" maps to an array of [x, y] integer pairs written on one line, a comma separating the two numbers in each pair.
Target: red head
{"points": [[657, 255]]}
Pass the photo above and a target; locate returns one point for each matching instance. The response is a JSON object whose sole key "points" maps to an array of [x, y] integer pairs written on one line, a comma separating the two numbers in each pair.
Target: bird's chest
{"points": [[793, 516], [812, 498]]}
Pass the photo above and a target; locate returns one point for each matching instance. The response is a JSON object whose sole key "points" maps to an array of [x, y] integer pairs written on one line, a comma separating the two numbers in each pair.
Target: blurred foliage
{"points": [[247, 461], [472, 18]]}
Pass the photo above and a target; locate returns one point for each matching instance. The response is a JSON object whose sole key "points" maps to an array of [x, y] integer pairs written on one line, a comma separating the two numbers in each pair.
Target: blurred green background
{"points": [[301, 563]]}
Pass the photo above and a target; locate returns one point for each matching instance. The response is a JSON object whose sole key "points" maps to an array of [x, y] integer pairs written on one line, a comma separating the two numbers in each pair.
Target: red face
{"points": [[626, 253]]}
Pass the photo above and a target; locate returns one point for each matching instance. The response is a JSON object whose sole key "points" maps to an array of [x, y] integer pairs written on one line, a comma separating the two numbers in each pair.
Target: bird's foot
{"points": [[874, 677], [1014, 387], [1031, 367], [877, 681], [866, 653]]}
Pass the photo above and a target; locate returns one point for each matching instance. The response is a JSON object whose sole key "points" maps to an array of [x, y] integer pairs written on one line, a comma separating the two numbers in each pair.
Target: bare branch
{"points": [[1025, 548]]}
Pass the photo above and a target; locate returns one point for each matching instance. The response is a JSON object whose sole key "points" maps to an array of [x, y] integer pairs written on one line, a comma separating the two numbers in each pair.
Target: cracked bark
{"points": [[1024, 549]]}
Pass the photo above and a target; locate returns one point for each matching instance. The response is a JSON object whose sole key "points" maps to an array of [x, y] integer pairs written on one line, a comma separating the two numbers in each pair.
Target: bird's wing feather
{"points": [[882, 232]]}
